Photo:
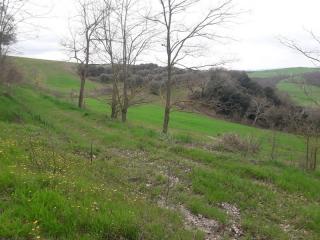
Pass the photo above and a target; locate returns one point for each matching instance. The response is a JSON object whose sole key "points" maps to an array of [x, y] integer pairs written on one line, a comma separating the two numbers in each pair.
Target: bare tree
{"points": [[7, 26], [309, 128], [197, 82], [308, 92], [107, 34], [136, 37], [15, 22], [312, 54], [258, 108], [81, 40], [183, 40], [125, 35]]}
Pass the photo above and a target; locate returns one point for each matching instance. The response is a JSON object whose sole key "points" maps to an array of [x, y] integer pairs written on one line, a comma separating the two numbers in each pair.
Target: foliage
{"points": [[156, 87], [10, 74], [312, 78], [235, 95], [235, 143], [105, 78]]}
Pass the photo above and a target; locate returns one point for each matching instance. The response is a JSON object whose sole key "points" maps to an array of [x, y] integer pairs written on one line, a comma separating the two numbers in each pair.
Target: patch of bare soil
{"points": [[212, 228], [129, 154], [209, 226], [234, 229]]}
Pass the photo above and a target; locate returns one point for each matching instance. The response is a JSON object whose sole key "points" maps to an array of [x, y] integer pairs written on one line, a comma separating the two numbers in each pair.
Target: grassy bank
{"points": [[67, 173]]}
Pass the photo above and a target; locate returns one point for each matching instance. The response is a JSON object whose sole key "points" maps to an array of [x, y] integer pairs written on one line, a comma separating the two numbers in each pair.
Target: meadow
{"points": [[67, 173], [292, 84], [298, 95]]}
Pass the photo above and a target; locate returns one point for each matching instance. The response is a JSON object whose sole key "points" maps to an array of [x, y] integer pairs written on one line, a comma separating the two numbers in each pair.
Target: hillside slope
{"points": [[67, 173], [292, 81]]}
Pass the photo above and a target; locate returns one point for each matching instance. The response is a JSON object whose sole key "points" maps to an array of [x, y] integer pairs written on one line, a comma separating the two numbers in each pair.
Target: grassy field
{"points": [[56, 76], [281, 72], [139, 180], [298, 95], [290, 85]]}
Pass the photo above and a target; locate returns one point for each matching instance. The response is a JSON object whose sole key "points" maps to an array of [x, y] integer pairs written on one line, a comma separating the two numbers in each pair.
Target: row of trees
{"points": [[118, 33], [235, 96]]}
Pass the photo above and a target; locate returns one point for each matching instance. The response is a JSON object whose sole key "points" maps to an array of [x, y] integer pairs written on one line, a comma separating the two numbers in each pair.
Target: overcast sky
{"points": [[257, 32]]}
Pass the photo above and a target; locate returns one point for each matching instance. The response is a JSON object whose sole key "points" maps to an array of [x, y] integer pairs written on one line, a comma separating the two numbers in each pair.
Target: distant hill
{"points": [[291, 81], [281, 72], [287, 80]]}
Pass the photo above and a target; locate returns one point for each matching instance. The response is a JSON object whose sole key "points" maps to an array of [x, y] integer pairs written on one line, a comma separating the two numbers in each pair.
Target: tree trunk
{"points": [[315, 159], [255, 120], [124, 115], [307, 153], [168, 83], [202, 91], [125, 104], [84, 72], [125, 97], [168, 103], [273, 149], [81, 94], [166, 120], [114, 103]]}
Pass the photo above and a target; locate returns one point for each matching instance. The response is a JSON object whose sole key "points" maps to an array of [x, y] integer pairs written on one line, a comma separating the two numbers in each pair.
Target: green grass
{"points": [[281, 72], [72, 203], [298, 95], [57, 76], [50, 189], [290, 86]]}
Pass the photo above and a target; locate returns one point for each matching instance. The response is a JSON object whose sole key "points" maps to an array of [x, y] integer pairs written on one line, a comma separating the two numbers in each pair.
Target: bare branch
{"points": [[182, 40], [310, 54], [124, 35], [80, 42]]}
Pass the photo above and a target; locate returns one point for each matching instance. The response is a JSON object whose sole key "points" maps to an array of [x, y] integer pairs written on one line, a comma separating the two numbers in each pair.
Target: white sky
{"points": [[257, 32]]}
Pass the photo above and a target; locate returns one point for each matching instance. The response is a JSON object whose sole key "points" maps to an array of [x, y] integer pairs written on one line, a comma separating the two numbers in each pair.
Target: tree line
{"points": [[120, 32]]}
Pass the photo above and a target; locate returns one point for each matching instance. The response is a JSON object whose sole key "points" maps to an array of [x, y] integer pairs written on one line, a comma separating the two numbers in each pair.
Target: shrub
{"points": [[312, 78], [231, 142], [270, 81], [156, 87], [95, 70], [136, 81], [9, 74], [105, 78], [227, 92]]}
